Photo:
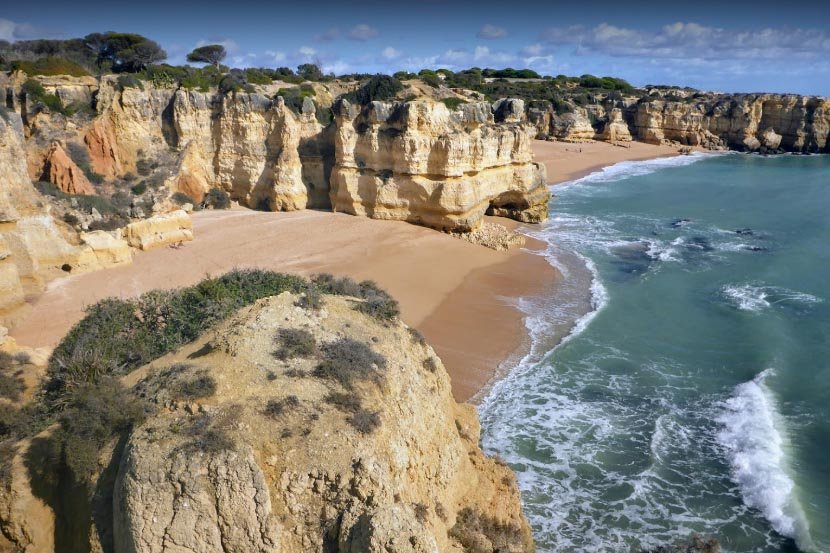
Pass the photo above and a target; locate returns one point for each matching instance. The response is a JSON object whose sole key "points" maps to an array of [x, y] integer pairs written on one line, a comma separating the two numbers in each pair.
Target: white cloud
{"points": [[532, 50], [274, 56], [331, 34], [363, 32], [691, 40], [12, 31], [338, 67], [491, 32], [452, 57], [307, 51], [483, 56], [390, 53]]}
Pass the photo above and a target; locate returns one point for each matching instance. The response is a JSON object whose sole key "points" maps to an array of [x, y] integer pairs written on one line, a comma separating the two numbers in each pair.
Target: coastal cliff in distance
{"points": [[305, 421], [767, 123]]}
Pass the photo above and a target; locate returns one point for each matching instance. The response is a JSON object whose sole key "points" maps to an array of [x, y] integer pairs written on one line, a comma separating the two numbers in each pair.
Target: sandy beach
{"points": [[458, 294], [461, 296], [567, 161]]}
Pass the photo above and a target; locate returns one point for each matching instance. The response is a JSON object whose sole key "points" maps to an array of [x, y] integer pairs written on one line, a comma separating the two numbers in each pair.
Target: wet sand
{"points": [[567, 161]]}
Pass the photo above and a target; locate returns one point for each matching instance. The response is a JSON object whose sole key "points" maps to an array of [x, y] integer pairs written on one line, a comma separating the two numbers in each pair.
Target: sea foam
{"points": [[627, 169], [758, 297], [754, 437]]}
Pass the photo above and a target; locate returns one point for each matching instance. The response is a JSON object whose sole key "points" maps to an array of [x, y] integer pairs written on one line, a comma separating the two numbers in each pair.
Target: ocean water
{"points": [[694, 395]]}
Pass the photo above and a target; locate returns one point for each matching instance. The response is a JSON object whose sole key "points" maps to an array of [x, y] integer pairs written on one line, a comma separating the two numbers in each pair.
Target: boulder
{"points": [[159, 230]]}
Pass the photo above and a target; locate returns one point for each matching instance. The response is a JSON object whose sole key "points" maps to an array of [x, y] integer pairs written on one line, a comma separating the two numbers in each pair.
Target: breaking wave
{"points": [[755, 438], [757, 297]]}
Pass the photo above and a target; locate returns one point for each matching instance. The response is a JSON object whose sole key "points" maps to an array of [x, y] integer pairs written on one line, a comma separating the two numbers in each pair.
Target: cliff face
{"points": [[33, 248], [245, 144], [422, 163], [746, 122], [295, 469], [413, 161]]}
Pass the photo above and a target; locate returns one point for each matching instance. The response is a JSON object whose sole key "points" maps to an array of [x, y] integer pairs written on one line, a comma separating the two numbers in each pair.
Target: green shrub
{"points": [[344, 401], [216, 198], [295, 96], [348, 361], [80, 156], [50, 66], [311, 298], [48, 189], [110, 223], [199, 387], [295, 342], [116, 336], [71, 219], [365, 421], [453, 103], [101, 204], [378, 88], [421, 512], [276, 407], [129, 81], [37, 94], [139, 188], [93, 415], [257, 76], [11, 386], [478, 532], [379, 304], [181, 198]]}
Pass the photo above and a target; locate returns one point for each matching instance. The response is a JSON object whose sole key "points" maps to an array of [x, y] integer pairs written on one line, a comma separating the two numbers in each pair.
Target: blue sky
{"points": [[735, 46]]}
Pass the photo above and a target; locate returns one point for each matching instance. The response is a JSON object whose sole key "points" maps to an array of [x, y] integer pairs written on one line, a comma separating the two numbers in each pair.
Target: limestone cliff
{"points": [[286, 428], [421, 162], [294, 471], [746, 122], [452, 167], [34, 248]]}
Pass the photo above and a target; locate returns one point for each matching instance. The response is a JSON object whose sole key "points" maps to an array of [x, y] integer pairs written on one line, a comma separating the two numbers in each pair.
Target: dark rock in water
{"points": [[755, 249], [699, 243], [633, 258], [696, 545], [678, 223], [744, 231]]}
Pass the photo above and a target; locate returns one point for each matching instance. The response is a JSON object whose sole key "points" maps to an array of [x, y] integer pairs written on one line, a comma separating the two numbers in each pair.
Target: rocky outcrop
{"points": [[107, 249], [61, 171], [615, 129], [422, 163], [160, 230], [279, 460]]}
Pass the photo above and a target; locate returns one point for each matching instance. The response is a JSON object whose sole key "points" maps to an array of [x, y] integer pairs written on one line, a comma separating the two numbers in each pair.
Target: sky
{"points": [[737, 46]]}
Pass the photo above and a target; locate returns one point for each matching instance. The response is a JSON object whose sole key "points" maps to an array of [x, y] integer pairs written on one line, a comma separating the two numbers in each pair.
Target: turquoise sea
{"points": [[694, 395]]}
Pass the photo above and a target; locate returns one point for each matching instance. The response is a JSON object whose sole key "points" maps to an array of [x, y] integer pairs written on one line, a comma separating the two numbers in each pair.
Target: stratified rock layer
{"points": [[422, 163], [745, 122]]}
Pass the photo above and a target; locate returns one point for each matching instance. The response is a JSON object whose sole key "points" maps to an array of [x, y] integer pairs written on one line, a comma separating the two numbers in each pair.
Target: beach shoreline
{"points": [[462, 297]]}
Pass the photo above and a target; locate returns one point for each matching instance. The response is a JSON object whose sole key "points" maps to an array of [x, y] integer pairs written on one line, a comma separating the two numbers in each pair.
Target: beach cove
{"points": [[463, 297]]}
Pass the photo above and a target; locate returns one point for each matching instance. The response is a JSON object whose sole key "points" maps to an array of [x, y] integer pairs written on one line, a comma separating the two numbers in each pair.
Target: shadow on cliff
{"points": [[80, 508]]}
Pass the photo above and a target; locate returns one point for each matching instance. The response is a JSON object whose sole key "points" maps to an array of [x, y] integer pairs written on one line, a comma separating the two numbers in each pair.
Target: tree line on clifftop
{"points": [[137, 58]]}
